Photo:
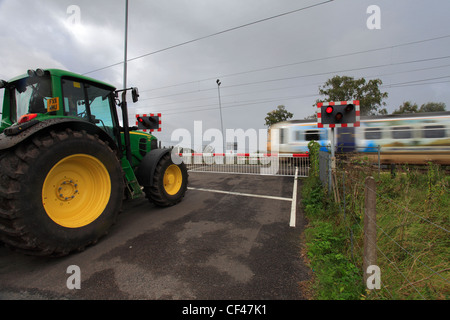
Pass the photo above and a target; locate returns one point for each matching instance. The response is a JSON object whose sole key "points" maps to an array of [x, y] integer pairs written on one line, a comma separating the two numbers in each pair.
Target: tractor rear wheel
{"points": [[169, 183], [59, 192]]}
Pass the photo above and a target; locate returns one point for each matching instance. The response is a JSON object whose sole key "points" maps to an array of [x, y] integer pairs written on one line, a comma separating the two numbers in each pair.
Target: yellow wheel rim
{"points": [[172, 179], [76, 191]]}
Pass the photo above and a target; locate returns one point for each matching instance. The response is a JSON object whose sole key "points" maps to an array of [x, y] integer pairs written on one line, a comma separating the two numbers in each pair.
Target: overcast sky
{"points": [[261, 62]]}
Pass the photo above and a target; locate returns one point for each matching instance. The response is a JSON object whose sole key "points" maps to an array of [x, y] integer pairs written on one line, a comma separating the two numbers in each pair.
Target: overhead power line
{"points": [[404, 84], [302, 76], [208, 107], [213, 35], [348, 54], [164, 105]]}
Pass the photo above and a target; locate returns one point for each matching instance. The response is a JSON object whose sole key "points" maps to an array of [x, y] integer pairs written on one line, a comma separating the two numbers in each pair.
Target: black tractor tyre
{"points": [[170, 182], [59, 192]]}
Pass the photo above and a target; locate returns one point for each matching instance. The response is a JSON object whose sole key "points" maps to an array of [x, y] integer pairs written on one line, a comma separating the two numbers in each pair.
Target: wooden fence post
{"points": [[370, 228]]}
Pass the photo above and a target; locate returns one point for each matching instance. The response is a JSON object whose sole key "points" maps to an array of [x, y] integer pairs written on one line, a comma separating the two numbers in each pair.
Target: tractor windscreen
{"points": [[31, 95]]}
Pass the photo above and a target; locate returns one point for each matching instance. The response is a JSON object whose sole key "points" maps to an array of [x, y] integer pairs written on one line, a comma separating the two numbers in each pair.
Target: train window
{"points": [[284, 135], [312, 135], [372, 133], [434, 132], [401, 132], [298, 135]]}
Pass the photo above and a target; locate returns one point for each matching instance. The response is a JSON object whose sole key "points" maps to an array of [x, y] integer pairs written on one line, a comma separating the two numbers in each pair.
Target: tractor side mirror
{"points": [[135, 94]]}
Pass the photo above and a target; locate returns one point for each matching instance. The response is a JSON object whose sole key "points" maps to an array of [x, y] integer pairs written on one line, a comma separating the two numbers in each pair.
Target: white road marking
{"points": [[294, 201], [241, 194]]}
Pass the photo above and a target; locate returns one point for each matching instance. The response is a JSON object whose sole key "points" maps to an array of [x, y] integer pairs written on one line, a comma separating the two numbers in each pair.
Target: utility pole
{"points": [[221, 120], [125, 47], [124, 93]]}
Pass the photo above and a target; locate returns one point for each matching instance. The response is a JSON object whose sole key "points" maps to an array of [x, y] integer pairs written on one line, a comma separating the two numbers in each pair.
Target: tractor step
{"points": [[133, 187]]}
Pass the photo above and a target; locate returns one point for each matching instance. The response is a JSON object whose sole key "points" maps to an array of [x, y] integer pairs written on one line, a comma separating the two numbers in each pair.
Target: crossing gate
{"points": [[248, 163]]}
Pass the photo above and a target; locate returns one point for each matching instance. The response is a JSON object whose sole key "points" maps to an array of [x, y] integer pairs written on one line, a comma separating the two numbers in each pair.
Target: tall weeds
{"points": [[413, 242]]}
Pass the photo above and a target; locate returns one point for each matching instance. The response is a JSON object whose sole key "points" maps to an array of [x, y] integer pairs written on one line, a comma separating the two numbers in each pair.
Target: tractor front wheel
{"points": [[169, 183]]}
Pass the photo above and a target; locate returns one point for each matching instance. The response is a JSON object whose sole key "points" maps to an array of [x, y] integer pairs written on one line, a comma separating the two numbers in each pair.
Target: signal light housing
{"points": [[149, 122], [338, 114]]}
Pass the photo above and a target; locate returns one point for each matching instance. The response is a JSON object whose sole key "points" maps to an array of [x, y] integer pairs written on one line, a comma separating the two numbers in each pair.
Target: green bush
{"points": [[336, 277]]}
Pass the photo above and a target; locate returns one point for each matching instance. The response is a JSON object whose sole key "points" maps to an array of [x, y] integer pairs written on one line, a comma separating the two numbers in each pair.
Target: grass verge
{"points": [[413, 243]]}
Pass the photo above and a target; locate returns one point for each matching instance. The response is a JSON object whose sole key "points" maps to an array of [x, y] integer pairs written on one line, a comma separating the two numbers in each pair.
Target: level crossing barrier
{"points": [[282, 164]]}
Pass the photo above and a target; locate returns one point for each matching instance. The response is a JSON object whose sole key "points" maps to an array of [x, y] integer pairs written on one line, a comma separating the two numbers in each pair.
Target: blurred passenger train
{"points": [[402, 138]]}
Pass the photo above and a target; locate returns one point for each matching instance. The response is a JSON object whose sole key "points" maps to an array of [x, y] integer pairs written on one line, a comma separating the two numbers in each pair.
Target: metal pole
{"points": [[379, 160], [332, 165], [333, 143], [125, 47], [126, 129], [221, 120], [124, 93]]}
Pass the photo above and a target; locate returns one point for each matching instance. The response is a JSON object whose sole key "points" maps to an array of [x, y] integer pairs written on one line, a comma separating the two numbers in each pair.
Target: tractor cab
{"points": [[43, 93]]}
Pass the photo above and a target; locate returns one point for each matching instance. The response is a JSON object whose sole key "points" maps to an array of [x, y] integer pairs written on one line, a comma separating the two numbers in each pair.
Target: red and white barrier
{"points": [[248, 163], [280, 155]]}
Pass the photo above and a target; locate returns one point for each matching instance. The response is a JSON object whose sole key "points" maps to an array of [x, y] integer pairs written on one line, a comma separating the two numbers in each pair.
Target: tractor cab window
{"points": [[31, 95], [74, 98], [100, 105], [88, 101]]}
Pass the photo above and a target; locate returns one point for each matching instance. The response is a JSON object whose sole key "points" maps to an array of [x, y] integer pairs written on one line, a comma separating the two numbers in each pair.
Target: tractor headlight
{"points": [[40, 72]]}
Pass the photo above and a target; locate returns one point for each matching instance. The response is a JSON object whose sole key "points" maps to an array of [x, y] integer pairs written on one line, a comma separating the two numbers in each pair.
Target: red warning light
{"points": [[329, 110]]}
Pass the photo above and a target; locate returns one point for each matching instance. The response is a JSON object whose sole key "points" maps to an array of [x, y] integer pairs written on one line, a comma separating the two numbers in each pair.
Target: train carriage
{"points": [[293, 136], [415, 138], [407, 138]]}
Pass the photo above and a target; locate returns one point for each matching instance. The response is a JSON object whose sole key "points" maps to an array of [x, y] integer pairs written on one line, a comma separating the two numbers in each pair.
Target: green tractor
{"points": [[67, 163]]}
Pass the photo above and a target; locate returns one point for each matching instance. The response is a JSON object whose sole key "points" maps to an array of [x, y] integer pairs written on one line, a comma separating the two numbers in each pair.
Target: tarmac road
{"points": [[210, 246]]}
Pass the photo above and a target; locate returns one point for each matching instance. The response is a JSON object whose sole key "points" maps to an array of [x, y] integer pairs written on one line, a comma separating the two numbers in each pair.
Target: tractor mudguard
{"points": [[146, 169], [19, 133]]}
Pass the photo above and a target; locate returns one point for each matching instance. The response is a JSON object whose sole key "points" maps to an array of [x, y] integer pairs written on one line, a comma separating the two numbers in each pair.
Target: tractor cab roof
{"points": [[63, 73]]}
